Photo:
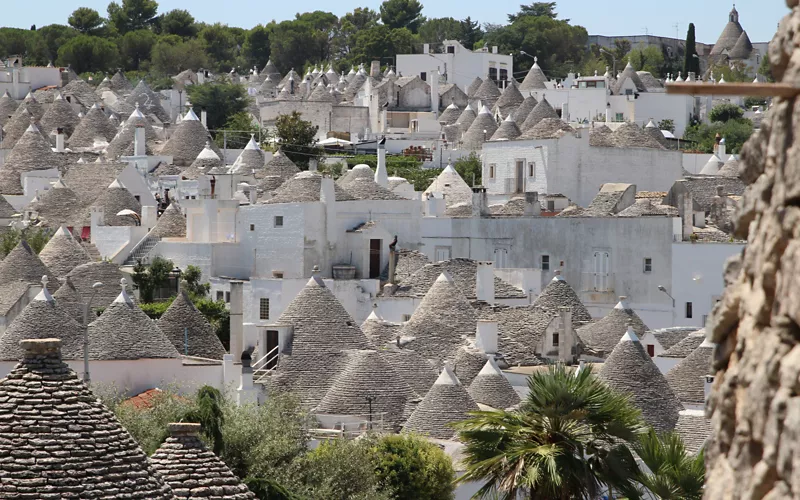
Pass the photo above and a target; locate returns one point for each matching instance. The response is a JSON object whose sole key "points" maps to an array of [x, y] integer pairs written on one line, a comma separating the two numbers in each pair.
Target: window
{"points": [[619, 117], [648, 265], [688, 309], [491, 170], [442, 253], [277, 274], [423, 76], [503, 74], [451, 49], [493, 74], [555, 340], [406, 317], [551, 206], [545, 263], [263, 308], [279, 221], [252, 227], [228, 297], [138, 198], [531, 168], [628, 91], [220, 294], [651, 350]]}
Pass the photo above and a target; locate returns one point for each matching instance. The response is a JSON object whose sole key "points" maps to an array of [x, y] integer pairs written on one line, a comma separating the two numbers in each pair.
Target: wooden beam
{"points": [[742, 89]]}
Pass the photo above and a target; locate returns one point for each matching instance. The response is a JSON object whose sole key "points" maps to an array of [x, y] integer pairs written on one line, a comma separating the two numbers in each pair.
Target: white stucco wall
{"points": [[461, 68]]}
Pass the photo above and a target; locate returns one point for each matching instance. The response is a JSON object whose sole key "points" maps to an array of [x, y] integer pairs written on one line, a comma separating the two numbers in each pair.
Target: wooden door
{"points": [[272, 343]]}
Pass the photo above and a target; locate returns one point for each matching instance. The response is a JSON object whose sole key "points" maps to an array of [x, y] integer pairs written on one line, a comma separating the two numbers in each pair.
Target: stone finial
{"points": [[181, 429], [44, 281], [123, 283], [41, 346]]}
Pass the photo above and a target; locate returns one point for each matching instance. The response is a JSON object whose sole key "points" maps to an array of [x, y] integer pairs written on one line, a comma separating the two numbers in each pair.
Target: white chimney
{"points": [[313, 165], [426, 48], [721, 150], [229, 374], [149, 216], [484, 278], [252, 193], [246, 392], [327, 196], [204, 118], [139, 143], [59, 140], [486, 336], [435, 91], [708, 382], [381, 175], [96, 217], [494, 49], [237, 326]]}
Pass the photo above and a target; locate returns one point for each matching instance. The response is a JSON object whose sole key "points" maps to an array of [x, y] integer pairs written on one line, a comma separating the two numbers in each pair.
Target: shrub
{"points": [[725, 112], [413, 468]]}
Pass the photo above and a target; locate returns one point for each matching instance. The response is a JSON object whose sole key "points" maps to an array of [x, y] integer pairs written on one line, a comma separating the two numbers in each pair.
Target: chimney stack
{"points": [[237, 325], [566, 340], [434, 83], [313, 165], [375, 69], [532, 206], [485, 281], [59, 140], [139, 143], [708, 382], [480, 204], [246, 393], [204, 118], [486, 336], [381, 175]]}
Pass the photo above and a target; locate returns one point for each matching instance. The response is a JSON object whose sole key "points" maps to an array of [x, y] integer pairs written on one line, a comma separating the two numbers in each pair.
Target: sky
{"points": [[599, 17]]}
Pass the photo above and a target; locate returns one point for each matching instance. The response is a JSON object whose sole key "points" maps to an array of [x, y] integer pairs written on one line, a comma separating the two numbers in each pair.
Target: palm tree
{"points": [[567, 440], [674, 473]]}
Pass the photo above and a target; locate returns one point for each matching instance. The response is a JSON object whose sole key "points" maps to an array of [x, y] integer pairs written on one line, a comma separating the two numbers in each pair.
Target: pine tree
{"points": [[692, 62]]}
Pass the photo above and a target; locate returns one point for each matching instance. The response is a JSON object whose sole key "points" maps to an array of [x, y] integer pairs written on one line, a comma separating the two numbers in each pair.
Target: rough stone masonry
{"points": [[755, 404]]}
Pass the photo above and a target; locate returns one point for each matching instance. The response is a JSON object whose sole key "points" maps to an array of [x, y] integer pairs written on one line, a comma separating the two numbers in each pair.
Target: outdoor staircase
{"points": [[260, 367], [141, 250], [92, 250]]}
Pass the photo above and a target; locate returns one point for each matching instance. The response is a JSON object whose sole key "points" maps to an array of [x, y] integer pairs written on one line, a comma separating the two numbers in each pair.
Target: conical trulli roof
{"points": [[7, 108], [357, 172], [507, 131], [59, 440], [122, 143], [601, 136], [548, 128], [380, 332], [474, 86], [171, 224], [322, 332], [604, 334], [34, 106], [729, 36], [450, 115], [630, 135], [418, 372], [205, 161], [467, 363], [251, 159], [305, 187], [454, 188], [742, 48], [281, 165], [62, 253], [629, 74], [466, 118], [86, 275], [22, 264], [191, 470], [58, 206], [124, 331], [32, 152], [271, 70], [187, 141], [441, 322], [730, 168], [687, 378], [42, 318], [95, 125], [69, 300], [60, 115], [510, 100], [480, 131], [541, 111], [524, 110], [653, 131], [189, 331], [113, 200], [81, 92], [446, 402], [487, 93], [368, 189], [148, 101], [103, 86], [629, 369], [492, 388], [368, 382], [557, 294], [17, 124], [534, 80], [120, 84]]}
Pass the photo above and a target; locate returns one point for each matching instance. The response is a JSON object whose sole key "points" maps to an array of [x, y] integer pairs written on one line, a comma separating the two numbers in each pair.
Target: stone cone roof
{"points": [[120, 84], [187, 141], [629, 73], [22, 264], [268, 85], [446, 402], [742, 48], [728, 38], [474, 86], [650, 82], [182, 321], [271, 70], [305, 187], [629, 135], [510, 100], [653, 131], [466, 118], [321, 93], [357, 172], [81, 92], [113, 200], [58, 206], [250, 159], [105, 85], [42, 318], [475, 136], [450, 115], [557, 294], [205, 161], [6, 209], [601, 136], [32, 152], [687, 378], [490, 387], [7, 108], [730, 168], [171, 224], [541, 111], [380, 332], [193, 471], [416, 371], [441, 322], [60, 115], [694, 429], [16, 127], [416, 275], [507, 131], [122, 143], [34, 106], [85, 275], [69, 300], [534, 80], [467, 363], [281, 165], [604, 334], [487, 93], [94, 125], [454, 188], [322, 332], [524, 110], [629, 369], [62, 253], [368, 377], [124, 331], [59, 440], [368, 189], [147, 101]]}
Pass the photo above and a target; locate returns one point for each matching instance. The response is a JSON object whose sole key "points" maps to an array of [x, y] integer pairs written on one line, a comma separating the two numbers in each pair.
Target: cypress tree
{"points": [[691, 63]]}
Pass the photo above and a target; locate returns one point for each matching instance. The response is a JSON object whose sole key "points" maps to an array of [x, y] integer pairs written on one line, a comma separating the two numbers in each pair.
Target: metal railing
{"points": [[350, 426], [260, 368], [141, 250]]}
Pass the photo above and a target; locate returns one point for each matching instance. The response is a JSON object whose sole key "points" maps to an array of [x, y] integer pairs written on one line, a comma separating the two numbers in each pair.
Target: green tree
{"points": [[150, 278], [536, 9], [220, 45], [667, 124], [737, 71], [297, 138], [691, 62], [88, 53], [469, 168], [439, 29], [269, 489], [674, 473], [193, 276], [256, 46], [14, 41], [132, 15], [567, 440], [240, 127], [37, 238], [725, 112], [765, 69], [209, 413], [413, 468], [402, 14], [350, 25], [54, 36], [296, 43], [471, 32], [171, 55], [735, 132], [648, 58], [176, 22], [85, 20], [136, 48], [221, 100]]}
